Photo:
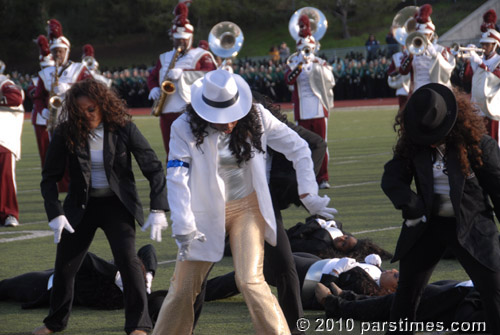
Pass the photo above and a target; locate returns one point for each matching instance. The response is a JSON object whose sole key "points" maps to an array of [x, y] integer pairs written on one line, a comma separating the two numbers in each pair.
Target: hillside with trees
{"points": [[125, 32]]}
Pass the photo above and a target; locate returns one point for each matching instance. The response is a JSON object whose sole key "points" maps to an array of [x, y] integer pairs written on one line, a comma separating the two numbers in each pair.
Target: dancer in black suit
{"points": [[97, 139], [443, 148], [445, 301], [97, 284]]}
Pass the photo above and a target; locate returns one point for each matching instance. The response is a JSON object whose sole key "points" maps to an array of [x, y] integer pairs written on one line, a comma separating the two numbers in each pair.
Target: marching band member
{"points": [[68, 72], [484, 72], [11, 126], [40, 123], [313, 81], [436, 64], [190, 64], [88, 58], [401, 83], [55, 84]]}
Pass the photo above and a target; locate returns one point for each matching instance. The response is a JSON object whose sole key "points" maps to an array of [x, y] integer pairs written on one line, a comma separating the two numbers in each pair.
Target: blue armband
{"points": [[177, 163]]}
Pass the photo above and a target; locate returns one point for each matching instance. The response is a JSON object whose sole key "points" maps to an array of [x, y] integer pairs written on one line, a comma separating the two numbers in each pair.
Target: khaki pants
{"points": [[245, 226]]}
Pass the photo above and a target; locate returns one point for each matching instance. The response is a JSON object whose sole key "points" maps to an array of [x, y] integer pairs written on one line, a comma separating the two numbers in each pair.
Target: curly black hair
{"points": [[248, 128], [73, 122], [363, 248]]}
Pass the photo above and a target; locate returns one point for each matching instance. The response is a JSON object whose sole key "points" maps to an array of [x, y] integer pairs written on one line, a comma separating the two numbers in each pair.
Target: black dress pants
{"points": [[280, 265], [417, 265], [118, 224]]}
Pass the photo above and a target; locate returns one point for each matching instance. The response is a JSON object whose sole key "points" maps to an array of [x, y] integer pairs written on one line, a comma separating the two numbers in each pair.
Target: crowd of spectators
{"points": [[355, 77]]}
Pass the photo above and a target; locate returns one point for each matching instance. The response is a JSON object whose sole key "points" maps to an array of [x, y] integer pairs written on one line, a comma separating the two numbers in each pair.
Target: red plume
{"points": [[490, 19], [424, 13], [490, 16], [88, 50], [181, 9], [304, 26], [181, 15], [43, 45], [54, 29]]}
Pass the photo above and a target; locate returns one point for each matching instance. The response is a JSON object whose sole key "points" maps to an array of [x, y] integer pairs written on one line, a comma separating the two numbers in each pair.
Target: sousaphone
{"points": [[317, 19], [225, 39]]}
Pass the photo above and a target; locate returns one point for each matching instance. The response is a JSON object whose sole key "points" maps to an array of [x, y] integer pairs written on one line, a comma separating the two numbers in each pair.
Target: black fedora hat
{"points": [[430, 114]]}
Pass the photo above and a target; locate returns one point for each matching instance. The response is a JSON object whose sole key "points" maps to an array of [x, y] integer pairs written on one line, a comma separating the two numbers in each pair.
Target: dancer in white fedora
{"points": [[217, 186]]}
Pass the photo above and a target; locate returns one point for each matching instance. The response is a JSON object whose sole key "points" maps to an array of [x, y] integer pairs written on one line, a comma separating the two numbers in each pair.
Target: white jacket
{"points": [[196, 193]]}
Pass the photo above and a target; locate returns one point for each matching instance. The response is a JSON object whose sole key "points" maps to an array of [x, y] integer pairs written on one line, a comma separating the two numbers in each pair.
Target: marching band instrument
{"points": [[404, 23], [395, 81], [167, 86], [55, 101], [90, 62], [318, 24], [416, 43], [317, 19], [225, 39], [464, 52]]}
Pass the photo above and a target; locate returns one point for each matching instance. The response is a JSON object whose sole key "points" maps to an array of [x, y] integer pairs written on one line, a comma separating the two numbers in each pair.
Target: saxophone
{"points": [[167, 86], [55, 102]]}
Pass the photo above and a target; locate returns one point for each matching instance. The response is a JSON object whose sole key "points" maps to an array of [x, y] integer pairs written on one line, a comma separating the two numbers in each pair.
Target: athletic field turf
{"points": [[360, 142]]}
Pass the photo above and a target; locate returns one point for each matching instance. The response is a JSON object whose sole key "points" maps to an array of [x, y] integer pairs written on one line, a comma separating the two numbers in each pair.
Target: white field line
{"points": [[28, 234]]}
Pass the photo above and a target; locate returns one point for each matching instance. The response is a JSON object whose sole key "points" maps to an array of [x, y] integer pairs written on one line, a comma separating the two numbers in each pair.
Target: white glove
{"points": [[61, 88], [154, 94], [149, 281], [432, 50], [45, 113], [414, 222], [475, 58], [158, 222], [316, 205], [57, 225], [174, 73], [373, 259], [184, 242], [343, 265]]}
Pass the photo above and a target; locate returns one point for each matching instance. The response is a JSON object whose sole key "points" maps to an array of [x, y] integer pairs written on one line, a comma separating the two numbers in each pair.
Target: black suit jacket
{"points": [[476, 229], [118, 147], [283, 179]]}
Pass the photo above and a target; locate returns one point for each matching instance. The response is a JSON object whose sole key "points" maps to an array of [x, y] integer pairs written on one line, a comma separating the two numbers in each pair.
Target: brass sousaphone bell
{"points": [[404, 23], [225, 39], [318, 23], [404, 30], [317, 19]]}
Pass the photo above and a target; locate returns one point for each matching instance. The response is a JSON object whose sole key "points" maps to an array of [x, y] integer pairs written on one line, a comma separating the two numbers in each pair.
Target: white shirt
{"points": [[96, 145]]}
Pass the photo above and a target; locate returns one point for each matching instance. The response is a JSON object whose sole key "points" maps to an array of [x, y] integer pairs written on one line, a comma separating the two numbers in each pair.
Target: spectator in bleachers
{"points": [[372, 46]]}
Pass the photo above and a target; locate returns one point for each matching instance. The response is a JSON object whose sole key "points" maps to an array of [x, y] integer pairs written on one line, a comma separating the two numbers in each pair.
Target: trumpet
{"points": [[416, 43], [167, 86], [464, 52], [55, 101], [90, 62]]}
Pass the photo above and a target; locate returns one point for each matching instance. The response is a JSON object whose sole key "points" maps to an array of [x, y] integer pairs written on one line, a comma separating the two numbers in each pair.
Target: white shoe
{"points": [[11, 221], [324, 185]]}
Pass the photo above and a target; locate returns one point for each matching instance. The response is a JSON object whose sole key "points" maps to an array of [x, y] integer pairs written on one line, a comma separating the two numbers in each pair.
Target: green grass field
{"points": [[360, 142]]}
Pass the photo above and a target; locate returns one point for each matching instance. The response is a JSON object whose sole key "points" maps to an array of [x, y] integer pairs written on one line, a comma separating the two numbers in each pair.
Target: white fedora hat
{"points": [[221, 97]]}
